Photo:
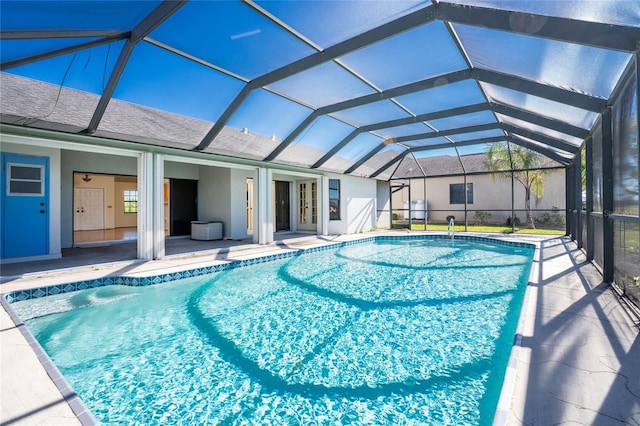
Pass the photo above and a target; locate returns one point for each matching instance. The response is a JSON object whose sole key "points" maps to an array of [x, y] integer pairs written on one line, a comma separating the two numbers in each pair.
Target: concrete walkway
{"points": [[579, 355], [576, 361]]}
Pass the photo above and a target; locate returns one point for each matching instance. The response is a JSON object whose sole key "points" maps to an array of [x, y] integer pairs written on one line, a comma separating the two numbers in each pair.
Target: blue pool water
{"points": [[388, 332]]}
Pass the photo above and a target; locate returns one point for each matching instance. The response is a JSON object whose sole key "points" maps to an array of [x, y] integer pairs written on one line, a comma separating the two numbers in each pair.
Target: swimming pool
{"points": [[392, 331]]}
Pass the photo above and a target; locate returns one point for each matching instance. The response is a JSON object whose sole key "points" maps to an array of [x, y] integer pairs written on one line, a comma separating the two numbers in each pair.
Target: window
{"points": [[130, 201], [334, 199], [456, 193], [25, 179]]}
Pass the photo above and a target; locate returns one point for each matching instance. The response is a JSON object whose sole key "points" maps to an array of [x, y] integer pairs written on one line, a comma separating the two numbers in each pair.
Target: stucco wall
{"points": [[176, 170], [384, 204], [214, 196], [238, 203], [358, 205]]}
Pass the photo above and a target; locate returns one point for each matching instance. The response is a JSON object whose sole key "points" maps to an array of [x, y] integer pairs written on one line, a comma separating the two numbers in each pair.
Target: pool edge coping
{"points": [[86, 418], [503, 407]]}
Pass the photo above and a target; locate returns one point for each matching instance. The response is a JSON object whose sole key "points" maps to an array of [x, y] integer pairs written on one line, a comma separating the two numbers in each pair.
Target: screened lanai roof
{"points": [[353, 87]]}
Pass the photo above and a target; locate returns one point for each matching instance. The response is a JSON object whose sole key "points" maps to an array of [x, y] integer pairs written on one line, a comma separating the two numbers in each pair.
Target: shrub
{"points": [[553, 220], [451, 217], [481, 217], [516, 221]]}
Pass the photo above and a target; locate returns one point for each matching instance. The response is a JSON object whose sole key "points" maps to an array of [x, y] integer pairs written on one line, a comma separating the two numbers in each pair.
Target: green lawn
{"points": [[487, 228]]}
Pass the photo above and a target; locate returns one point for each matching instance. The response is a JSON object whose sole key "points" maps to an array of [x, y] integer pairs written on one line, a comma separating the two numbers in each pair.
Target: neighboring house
{"points": [[445, 195]]}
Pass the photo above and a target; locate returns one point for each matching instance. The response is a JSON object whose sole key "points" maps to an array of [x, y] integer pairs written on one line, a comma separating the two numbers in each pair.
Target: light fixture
{"points": [[86, 178], [389, 141]]}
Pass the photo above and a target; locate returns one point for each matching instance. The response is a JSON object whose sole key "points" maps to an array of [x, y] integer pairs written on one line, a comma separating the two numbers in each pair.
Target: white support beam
{"points": [[145, 206], [158, 206], [264, 224], [323, 205]]}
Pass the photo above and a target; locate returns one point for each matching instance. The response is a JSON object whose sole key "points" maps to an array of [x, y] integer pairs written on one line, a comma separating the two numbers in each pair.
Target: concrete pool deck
{"points": [[576, 358]]}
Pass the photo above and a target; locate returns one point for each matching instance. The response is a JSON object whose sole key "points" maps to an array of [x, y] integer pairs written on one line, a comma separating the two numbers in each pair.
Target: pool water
{"points": [[389, 332]]}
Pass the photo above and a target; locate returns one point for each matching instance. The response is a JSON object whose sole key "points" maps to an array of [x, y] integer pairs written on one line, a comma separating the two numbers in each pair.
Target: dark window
{"points": [[130, 201], [25, 180], [456, 193], [334, 199]]}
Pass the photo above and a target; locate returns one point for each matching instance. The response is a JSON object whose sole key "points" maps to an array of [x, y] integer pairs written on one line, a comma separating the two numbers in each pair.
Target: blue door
{"points": [[25, 205]]}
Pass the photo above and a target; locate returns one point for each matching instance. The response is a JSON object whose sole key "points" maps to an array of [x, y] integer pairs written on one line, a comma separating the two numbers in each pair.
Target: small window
{"points": [[130, 201], [334, 199], [25, 179], [456, 193]]}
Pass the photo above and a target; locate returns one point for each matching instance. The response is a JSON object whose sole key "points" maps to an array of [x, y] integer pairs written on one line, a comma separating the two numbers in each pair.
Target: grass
{"points": [[487, 229]]}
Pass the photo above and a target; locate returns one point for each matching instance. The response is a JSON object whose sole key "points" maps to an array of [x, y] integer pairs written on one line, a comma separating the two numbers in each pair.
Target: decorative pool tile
{"points": [[212, 269]]}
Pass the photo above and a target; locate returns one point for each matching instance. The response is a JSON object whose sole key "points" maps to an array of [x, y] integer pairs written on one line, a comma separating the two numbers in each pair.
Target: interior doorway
{"points": [[105, 207], [282, 206], [183, 202]]}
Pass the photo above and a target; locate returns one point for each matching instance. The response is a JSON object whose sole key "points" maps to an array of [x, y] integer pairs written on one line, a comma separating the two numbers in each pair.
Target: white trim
{"points": [[73, 146], [42, 180]]}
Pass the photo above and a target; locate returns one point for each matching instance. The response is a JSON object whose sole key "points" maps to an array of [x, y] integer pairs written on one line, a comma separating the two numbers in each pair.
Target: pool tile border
{"points": [[36, 293]]}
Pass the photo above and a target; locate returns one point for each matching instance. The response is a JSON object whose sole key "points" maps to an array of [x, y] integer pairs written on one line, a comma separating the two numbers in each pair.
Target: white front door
{"points": [[88, 209], [308, 205]]}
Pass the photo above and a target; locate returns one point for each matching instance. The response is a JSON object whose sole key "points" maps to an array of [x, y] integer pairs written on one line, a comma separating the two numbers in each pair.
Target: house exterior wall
{"points": [[175, 170], [214, 196], [358, 205], [238, 203], [384, 205], [55, 193]]}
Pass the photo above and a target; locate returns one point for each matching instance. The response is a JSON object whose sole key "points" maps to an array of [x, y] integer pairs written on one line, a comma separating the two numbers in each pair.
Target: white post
{"points": [[145, 206], [323, 207], [264, 223], [158, 206], [150, 206]]}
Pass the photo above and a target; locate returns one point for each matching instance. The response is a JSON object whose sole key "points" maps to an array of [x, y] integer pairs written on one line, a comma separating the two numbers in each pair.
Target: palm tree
{"points": [[501, 158]]}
